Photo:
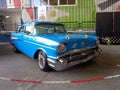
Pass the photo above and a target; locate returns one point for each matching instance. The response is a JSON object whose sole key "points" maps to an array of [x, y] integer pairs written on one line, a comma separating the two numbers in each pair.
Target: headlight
{"points": [[62, 48]]}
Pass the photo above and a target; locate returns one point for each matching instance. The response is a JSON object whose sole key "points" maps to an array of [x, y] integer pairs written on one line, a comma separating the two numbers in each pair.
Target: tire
{"points": [[15, 49], [42, 61]]}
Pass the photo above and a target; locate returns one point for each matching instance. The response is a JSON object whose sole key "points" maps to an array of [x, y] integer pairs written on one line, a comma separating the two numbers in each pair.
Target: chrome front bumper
{"points": [[73, 58]]}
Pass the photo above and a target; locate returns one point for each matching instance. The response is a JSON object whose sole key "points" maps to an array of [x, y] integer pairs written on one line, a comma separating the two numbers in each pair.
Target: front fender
{"points": [[50, 53]]}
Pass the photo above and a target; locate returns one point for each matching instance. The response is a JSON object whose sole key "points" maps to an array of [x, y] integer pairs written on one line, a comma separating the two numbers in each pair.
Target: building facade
{"points": [[12, 12], [75, 14]]}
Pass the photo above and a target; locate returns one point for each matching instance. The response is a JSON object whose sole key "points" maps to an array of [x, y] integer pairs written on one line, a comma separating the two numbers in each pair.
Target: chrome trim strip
{"points": [[39, 45], [52, 57], [13, 38], [58, 66], [50, 60], [36, 44], [75, 51], [51, 65], [81, 61]]}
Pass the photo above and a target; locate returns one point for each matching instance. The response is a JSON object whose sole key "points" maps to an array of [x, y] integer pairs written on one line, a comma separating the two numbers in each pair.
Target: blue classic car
{"points": [[51, 45]]}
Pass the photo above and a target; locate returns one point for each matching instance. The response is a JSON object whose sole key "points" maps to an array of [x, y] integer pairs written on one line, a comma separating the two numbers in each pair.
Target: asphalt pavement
{"points": [[87, 76]]}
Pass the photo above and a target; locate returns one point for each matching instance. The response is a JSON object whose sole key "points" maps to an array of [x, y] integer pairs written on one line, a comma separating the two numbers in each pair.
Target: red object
{"points": [[118, 8], [30, 12], [87, 80], [17, 3]]}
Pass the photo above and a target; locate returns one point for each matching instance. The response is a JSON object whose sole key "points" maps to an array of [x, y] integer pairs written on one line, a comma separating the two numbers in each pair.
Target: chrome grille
{"points": [[79, 54]]}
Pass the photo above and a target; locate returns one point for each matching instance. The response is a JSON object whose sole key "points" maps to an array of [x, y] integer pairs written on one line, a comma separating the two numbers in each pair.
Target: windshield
{"points": [[50, 29]]}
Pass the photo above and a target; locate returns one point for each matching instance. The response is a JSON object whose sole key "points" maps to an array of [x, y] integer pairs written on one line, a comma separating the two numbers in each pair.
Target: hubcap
{"points": [[41, 60]]}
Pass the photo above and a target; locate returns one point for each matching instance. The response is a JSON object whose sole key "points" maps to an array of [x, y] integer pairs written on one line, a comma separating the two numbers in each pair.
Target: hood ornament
{"points": [[68, 36]]}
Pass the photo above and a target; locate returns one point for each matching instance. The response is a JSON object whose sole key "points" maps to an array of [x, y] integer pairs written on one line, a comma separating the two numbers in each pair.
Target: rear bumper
{"points": [[73, 58]]}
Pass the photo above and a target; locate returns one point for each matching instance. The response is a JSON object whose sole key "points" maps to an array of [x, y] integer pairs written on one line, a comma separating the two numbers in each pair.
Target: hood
{"points": [[51, 39], [62, 37], [78, 41], [73, 41]]}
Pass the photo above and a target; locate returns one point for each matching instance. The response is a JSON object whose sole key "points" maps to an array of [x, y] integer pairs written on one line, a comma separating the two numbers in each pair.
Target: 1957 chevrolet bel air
{"points": [[51, 45]]}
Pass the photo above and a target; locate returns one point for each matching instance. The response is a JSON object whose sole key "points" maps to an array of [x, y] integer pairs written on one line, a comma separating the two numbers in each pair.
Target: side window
{"points": [[41, 29], [28, 29], [51, 30]]}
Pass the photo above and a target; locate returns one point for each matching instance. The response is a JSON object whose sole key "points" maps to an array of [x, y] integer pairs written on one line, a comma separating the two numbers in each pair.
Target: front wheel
{"points": [[42, 61]]}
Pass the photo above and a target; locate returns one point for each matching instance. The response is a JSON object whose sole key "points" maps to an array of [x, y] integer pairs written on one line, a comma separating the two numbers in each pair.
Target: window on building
{"points": [[71, 1], [67, 2], [53, 2], [63, 2], [59, 2]]}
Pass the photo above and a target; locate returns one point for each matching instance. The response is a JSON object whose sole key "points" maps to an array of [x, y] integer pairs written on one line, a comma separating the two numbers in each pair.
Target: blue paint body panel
{"points": [[30, 43]]}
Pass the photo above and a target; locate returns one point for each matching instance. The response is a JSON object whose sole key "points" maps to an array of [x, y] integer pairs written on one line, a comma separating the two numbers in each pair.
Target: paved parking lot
{"points": [[19, 66]]}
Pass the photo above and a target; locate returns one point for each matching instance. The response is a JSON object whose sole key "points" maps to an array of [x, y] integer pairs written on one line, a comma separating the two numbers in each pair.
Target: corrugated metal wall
{"points": [[80, 16], [83, 15]]}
